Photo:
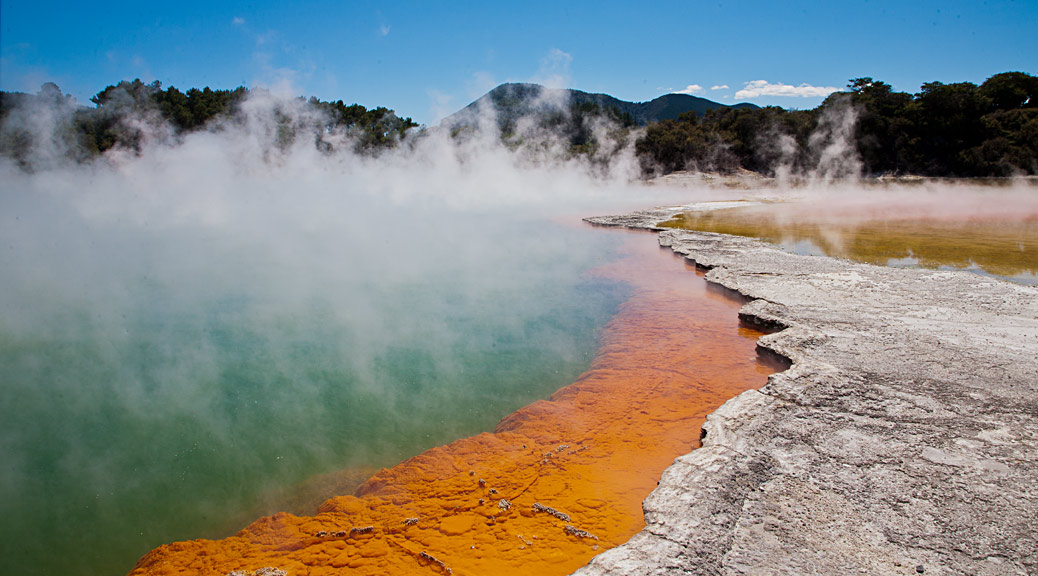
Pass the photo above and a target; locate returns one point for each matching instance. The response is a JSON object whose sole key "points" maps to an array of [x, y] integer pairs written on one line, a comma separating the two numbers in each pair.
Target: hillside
{"points": [[512, 101]]}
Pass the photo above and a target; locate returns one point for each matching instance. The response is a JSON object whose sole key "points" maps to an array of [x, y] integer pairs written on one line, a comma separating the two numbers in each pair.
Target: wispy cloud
{"points": [[719, 87], [266, 38], [277, 78], [758, 88], [554, 72], [134, 64], [441, 104], [383, 30], [691, 89], [479, 84], [260, 39]]}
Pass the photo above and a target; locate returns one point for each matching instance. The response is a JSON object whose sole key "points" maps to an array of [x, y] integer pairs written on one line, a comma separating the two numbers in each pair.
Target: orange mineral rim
{"points": [[556, 483]]}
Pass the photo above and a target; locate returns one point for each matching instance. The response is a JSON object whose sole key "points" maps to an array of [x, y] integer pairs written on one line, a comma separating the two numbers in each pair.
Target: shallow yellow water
{"points": [[997, 245]]}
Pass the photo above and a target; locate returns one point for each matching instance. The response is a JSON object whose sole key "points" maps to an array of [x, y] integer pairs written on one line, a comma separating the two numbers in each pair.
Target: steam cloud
{"points": [[223, 292], [189, 327]]}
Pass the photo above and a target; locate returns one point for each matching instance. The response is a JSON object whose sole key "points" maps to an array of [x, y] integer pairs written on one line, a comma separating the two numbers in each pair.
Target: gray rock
{"points": [[904, 435]]}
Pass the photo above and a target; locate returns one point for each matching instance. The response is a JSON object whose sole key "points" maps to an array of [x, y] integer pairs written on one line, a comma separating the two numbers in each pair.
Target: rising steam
{"points": [[207, 317], [194, 323]]}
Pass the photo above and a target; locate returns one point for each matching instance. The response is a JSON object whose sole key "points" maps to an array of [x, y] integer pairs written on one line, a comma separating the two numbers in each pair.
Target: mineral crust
{"points": [[902, 440]]}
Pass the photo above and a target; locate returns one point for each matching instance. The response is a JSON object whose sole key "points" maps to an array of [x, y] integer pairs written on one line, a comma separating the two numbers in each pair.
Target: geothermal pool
{"points": [[989, 229], [558, 481], [179, 359], [178, 381], [162, 386], [184, 351]]}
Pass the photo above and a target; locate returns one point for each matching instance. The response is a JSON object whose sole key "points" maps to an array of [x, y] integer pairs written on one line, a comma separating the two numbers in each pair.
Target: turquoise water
{"points": [[162, 378]]}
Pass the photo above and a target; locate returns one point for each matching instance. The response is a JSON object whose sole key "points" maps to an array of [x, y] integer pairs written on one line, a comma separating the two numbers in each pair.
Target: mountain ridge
{"points": [[513, 100]]}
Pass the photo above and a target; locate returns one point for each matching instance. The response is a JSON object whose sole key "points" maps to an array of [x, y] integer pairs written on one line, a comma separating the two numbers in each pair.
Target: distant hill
{"points": [[514, 100]]}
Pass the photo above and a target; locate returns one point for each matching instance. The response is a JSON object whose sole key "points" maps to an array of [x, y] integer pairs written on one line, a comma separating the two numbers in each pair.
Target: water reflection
{"points": [[989, 244]]}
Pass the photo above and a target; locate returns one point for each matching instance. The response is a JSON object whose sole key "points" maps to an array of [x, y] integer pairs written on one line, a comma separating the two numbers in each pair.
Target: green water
{"points": [[160, 383]]}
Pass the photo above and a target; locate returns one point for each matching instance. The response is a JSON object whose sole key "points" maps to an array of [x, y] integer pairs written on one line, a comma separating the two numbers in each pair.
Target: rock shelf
{"points": [[902, 440]]}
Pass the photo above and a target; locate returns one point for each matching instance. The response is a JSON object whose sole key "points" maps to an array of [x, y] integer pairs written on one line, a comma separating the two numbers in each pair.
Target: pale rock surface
{"points": [[904, 438]]}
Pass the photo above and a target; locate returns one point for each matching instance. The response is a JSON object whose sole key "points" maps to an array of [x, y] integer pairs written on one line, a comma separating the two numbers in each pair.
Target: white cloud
{"points": [[383, 30], [691, 89], [238, 21], [759, 88], [719, 87]]}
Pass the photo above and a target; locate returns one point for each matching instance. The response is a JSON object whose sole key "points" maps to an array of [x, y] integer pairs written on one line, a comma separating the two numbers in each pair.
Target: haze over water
{"points": [[990, 228], [189, 333]]}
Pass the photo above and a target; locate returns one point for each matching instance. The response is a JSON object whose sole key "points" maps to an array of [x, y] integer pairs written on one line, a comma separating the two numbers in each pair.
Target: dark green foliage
{"points": [[725, 139], [550, 122], [124, 111], [195, 108], [958, 129], [947, 124], [883, 126], [512, 101], [955, 129], [373, 129], [41, 130], [1011, 90], [130, 112], [682, 144]]}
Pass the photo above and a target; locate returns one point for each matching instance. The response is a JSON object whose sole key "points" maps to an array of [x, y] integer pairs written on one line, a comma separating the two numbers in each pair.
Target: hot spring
{"points": [[190, 336], [984, 227]]}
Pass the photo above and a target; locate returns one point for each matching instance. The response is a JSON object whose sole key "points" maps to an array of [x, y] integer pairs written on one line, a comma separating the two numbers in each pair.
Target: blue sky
{"points": [[428, 59]]}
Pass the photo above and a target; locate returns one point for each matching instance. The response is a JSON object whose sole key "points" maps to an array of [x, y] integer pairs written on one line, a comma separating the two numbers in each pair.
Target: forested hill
{"points": [[131, 112], [512, 101], [957, 129]]}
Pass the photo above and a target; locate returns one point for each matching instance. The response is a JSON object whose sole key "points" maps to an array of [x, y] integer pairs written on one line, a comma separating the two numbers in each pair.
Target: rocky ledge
{"points": [[902, 440]]}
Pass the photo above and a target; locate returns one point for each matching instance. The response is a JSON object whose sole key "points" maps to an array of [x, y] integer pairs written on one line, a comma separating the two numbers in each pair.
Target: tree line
{"points": [[958, 129], [128, 113]]}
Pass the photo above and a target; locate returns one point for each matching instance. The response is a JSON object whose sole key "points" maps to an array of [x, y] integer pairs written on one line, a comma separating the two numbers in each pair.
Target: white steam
{"points": [[230, 289], [834, 145]]}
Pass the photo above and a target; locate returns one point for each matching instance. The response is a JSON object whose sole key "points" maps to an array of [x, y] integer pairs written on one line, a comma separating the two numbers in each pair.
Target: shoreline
{"points": [[902, 440]]}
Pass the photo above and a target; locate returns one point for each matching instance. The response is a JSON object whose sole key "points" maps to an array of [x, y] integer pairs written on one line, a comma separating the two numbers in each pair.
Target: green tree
{"points": [[1011, 90], [947, 123], [883, 129]]}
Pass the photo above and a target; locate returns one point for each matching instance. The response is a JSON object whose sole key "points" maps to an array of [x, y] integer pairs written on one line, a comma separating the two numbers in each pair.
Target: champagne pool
{"points": [[182, 352], [557, 482], [168, 378]]}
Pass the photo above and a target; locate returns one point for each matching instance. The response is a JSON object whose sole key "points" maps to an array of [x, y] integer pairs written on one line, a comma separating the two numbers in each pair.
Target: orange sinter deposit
{"points": [[556, 483]]}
